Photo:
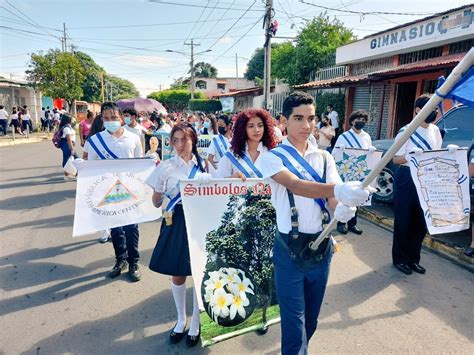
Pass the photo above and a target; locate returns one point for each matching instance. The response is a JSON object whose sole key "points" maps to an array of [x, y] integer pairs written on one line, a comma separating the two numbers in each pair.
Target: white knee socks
{"points": [[179, 295], [194, 328]]}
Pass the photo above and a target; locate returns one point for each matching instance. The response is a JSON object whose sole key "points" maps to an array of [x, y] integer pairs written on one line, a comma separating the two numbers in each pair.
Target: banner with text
{"points": [[442, 183], [231, 246], [113, 193]]}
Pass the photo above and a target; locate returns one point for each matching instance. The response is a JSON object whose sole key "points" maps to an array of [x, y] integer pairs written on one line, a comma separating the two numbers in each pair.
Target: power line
{"points": [[26, 31], [200, 16], [194, 5]]}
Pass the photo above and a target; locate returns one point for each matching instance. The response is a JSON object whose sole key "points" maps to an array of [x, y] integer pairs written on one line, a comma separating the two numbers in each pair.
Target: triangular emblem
{"points": [[117, 193]]}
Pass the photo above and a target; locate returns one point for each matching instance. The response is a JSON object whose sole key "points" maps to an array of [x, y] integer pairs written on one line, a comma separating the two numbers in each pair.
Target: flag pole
{"points": [[463, 66]]}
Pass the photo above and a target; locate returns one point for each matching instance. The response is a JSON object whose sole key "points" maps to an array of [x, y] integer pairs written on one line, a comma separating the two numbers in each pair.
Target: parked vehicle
{"points": [[456, 126]]}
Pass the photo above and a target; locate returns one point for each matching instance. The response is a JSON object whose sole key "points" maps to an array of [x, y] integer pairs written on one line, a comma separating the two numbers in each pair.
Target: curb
{"points": [[449, 251], [21, 141]]}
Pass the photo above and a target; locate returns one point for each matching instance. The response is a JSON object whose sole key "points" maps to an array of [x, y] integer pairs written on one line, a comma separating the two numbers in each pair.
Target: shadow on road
{"points": [[52, 178], [36, 201], [45, 223]]}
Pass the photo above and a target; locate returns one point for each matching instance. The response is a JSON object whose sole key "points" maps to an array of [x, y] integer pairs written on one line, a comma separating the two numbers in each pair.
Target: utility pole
{"points": [[236, 71], [102, 86], [192, 44], [64, 38], [267, 55]]}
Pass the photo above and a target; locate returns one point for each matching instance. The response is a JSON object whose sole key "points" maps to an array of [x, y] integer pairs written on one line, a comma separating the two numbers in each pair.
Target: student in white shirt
{"points": [[131, 124], [68, 141], [171, 253], [220, 143], [299, 201], [253, 137], [355, 137], [3, 120], [409, 226], [115, 142], [26, 123]]}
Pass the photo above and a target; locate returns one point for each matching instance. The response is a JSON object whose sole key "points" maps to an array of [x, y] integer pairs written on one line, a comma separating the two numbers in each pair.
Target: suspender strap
{"points": [[175, 200], [294, 215], [355, 139], [99, 136], [219, 150], [236, 163], [91, 142]]}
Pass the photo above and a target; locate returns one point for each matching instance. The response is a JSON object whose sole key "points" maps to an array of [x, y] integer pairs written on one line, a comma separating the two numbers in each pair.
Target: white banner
{"points": [[354, 164], [113, 193], [442, 183], [231, 227]]}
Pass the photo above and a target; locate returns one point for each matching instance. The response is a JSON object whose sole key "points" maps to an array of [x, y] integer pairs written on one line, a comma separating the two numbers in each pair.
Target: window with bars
{"points": [[429, 86], [418, 56], [461, 47], [371, 66]]}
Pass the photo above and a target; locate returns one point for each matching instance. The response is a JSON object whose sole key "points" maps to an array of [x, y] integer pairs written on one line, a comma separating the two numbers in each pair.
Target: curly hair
{"points": [[240, 130], [189, 132]]}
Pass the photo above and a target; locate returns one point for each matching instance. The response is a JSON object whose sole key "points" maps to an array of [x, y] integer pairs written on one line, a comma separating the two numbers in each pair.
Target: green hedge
{"points": [[174, 99], [205, 105]]}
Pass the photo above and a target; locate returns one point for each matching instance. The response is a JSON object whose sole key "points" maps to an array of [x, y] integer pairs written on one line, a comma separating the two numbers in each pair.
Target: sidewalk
{"points": [[449, 245], [35, 137]]}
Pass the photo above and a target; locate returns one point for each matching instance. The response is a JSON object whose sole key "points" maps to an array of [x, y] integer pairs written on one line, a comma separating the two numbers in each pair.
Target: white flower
{"points": [[241, 286], [220, 301], [215, 282], [238, 304]]}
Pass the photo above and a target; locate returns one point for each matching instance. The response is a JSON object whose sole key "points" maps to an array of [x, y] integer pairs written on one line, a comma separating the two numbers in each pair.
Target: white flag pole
{"points": [[457, 73]]}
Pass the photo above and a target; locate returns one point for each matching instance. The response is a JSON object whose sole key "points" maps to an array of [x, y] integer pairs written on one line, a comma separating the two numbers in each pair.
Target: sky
{"points": [[130, 38]]}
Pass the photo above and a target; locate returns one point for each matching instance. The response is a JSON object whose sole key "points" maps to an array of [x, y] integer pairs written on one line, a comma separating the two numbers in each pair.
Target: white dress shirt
{"points": [[363, 138], [309, 212], [431, 135], [334, 117], [126, 146], [213, 150], [227, 169]]}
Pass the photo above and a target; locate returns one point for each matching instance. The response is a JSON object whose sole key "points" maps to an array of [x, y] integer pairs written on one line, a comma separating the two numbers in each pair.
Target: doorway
{"points": [[406, 95]]}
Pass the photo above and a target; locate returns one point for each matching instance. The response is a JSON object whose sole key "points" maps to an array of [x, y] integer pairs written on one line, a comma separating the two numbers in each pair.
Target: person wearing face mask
{"points": [[355, 137], [115, 142], [131, 124], [409, 227], [220, 143]]}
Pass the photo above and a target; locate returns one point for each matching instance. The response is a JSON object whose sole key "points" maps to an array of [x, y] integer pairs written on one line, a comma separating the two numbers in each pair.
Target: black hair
{"points": [[1, 107], [130, 110], [422, 100], [109, 105], [47, 107], [358, 114], [296, 99], [41, 108], [65, 120], [96, 126], [224, 118], [331, 106]]}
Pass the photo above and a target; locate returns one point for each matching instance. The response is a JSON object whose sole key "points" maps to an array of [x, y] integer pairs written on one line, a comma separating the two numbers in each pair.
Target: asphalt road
{"points": [[55, 297]]}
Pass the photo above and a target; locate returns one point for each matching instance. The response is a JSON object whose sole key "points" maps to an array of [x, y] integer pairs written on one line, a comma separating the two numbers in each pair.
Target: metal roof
{"points": [[343, 80]]}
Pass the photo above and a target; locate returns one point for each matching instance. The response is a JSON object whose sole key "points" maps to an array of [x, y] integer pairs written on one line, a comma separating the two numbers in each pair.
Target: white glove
{"points": [[204, 178], [344, 213], [352, 193], [78, 163], [154, 156], [417, 151], [372, 149], [452, 148]]}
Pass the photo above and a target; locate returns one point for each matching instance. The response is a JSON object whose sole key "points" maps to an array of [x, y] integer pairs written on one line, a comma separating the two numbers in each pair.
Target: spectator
{"points": [[3, 120], [15, 121], [85, 127]]}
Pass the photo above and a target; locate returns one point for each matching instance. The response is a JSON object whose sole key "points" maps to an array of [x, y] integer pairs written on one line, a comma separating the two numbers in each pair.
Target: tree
{"points": [[92, 86], [120, 88], [175, 99], [255, 65], [57, 74], [204, 70], [282, 62], [205, 105]]}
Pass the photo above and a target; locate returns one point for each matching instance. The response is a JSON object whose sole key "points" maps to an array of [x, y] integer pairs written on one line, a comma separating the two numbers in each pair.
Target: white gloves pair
{"points": [[351, 193], [452, 148]]}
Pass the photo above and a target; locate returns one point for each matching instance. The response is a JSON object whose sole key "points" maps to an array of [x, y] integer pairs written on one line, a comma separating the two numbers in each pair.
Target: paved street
{"points": [[55, 297]]}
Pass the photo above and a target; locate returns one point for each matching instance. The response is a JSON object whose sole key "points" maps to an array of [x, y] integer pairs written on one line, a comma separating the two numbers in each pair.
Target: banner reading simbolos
{"points": [[231, 226], [113, 193], [442, 183]]}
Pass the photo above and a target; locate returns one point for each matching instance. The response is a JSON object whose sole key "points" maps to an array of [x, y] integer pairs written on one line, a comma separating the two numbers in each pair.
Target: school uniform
{"points": [[3, 121], [232, 163], [171, 253], [352, 139], [68, 131], [104, 145], [409, 227], [220, 144], [300, 289]]}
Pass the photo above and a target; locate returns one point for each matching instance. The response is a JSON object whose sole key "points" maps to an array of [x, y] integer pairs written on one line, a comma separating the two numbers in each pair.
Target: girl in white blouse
{"points": [[171, 253], [253, 136]]}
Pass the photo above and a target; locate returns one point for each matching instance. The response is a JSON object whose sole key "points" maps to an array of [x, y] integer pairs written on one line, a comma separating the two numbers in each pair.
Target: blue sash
{"points": [[102, 142], [224, 144], [305, 165], [356, 140], [241, 168], [418, 140], [175, 200]]}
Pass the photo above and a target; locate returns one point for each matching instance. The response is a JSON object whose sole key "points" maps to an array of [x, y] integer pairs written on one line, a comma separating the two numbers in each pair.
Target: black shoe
{"points": [[263, 331], [469, 251], [176, 337], [403, 268], [192, 340], [118, 268], [417, 268], [134, 272], [342, 228], [355, 230]]}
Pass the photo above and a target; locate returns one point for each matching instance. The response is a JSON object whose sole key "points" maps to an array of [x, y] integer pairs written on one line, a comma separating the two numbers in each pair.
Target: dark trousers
{"points": [[300, 295], [25, 124], [351, 223], [125, 241], [3, 126], [409, 227]]}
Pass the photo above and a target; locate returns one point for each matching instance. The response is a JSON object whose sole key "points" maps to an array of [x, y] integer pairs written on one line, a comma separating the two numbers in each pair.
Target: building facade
{"points": [[14, 93], [214, 86]]}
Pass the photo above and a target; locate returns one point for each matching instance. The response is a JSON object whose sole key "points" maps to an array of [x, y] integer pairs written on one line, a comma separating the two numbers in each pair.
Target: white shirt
{"points": [[43, 114], [309, 212], [166, 177], [431, 134], [57, 116], [334, 117], [14, 116], [363, 138], [212, 149], [68, 131], [227, 169], [278, 134], [3, 114], [25, 117], [126, 146], [139, 130]]}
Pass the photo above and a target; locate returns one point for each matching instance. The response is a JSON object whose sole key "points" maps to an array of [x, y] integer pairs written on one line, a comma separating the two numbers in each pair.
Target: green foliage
{"points": [[121, 88], [205, 105], [323, 99], [57, 74], [175, 99], [204, 70], [92, 84], [255, 65]]}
